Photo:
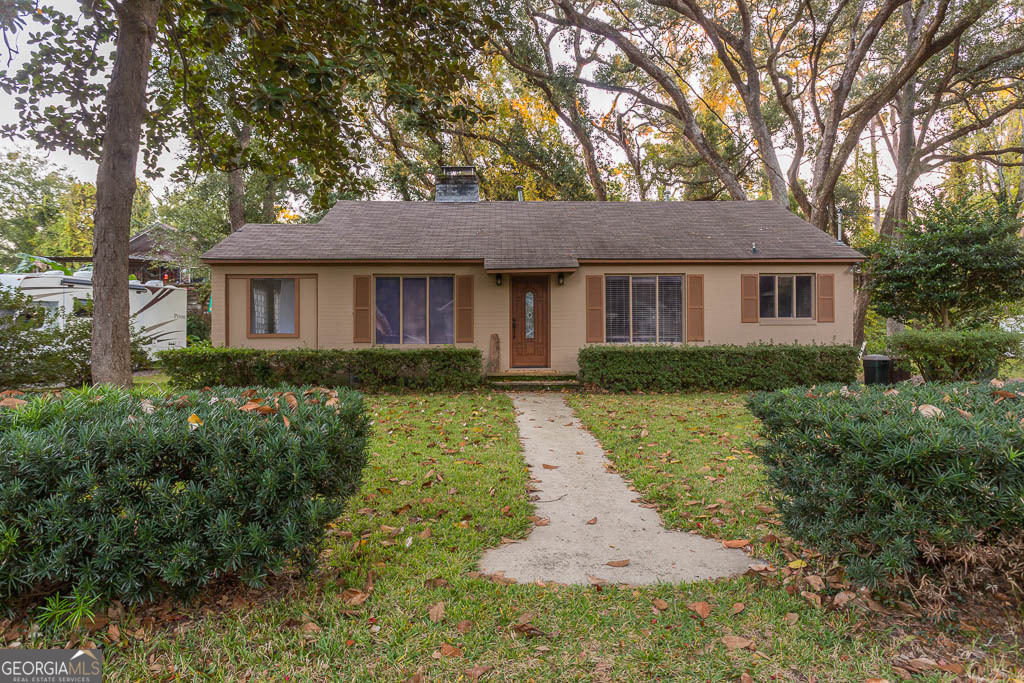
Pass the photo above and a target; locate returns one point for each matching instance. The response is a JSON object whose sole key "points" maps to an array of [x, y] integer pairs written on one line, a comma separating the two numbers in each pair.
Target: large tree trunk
{"points": [[269, 194], [236, 182], [115, 190]]}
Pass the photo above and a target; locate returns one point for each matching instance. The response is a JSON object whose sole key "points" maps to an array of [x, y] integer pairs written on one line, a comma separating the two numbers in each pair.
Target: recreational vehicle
{"points": [[157, 311]]}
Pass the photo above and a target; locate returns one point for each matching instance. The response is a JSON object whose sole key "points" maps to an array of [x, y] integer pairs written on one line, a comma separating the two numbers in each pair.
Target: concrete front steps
{"points": [[534, 382]]}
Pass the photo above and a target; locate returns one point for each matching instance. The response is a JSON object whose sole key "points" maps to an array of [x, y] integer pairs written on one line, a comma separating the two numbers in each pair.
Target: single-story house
{"points": [[530, 283]]}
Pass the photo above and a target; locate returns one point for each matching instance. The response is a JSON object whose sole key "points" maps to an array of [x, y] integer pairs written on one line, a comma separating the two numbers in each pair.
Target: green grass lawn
{"points": [[445, 481]]}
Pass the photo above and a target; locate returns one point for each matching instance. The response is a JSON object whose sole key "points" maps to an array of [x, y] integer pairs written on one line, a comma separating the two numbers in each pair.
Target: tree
{"points": [[952, 266], [296, 54], [33, 190]]}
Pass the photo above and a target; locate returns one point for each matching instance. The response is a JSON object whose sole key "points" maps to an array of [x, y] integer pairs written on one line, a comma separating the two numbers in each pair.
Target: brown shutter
{"points": [[694, 308], [748, 299], [826, 298], [361, 309], [464, 308], [595, 308]]}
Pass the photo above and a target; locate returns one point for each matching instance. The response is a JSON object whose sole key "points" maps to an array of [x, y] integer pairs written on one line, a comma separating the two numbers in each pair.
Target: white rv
{"points": [[157, 311]]}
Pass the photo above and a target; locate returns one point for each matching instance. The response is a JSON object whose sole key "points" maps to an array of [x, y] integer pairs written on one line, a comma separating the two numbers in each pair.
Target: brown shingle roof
{"points": [[524, 235]]}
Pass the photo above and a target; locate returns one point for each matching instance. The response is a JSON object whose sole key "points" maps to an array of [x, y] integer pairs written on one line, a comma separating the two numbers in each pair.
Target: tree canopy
{"points": [[952, 266]]}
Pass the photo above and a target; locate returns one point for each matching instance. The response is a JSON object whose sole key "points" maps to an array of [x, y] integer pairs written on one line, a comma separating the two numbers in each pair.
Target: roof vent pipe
{"points": [[519, 192]]}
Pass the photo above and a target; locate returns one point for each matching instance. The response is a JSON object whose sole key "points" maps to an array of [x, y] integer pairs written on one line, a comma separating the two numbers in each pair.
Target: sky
{"points": [[86, 170], [79, 166]]}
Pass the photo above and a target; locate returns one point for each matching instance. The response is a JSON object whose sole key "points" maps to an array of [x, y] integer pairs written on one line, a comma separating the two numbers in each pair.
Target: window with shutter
{"points": [[748, 299], [595, 308], [638, 308], [694, 308], [464, 308], [826, 298], [361, 329]]}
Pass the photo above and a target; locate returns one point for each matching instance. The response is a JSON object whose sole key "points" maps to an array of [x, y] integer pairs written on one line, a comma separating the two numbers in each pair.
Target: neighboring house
{"points": [[153, 254], [529, 283]]}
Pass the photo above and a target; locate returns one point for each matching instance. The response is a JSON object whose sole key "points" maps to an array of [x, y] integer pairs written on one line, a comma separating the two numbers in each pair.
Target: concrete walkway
{"points": [[578, 489]]}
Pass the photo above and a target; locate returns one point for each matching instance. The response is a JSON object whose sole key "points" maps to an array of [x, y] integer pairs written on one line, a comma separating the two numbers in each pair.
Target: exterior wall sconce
{"points": [[497, 279], [561, 278]]}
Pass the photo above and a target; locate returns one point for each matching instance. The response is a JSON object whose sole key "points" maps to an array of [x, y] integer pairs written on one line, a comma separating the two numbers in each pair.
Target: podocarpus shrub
{"points": [[682, 368], [920, 487], [104, 492], [955, 355], [376, 369]]}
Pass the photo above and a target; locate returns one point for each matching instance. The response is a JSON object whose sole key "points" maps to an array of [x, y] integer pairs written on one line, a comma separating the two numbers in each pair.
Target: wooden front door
{"points": [[531, 323]]}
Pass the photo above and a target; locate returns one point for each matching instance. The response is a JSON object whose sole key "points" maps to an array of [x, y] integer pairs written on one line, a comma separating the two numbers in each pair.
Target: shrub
{"points": [[955, 355], [954, 265], [43, 347], [375, 369], [920, 487], [681, 368], [105, 492]]}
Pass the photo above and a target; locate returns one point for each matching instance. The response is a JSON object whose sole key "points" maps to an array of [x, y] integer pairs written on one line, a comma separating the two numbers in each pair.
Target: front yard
{"points": [[396, 596]]}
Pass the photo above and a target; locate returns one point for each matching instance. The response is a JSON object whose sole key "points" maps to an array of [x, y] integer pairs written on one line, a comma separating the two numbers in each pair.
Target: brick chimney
{"points": [[457, 184]]}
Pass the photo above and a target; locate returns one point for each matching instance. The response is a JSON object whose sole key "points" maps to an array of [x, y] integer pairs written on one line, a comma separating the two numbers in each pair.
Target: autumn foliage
{"points": [[106, 492], [918, 488]]}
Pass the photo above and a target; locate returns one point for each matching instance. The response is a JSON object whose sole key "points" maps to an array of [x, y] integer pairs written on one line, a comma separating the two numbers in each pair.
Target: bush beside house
{"points": [[955, 355], [107, 493], [920, 487], [692, 368], [377, 369]]}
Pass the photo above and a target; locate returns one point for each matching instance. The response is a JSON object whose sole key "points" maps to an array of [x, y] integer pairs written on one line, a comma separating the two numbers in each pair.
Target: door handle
{"points": [[513, 327]]}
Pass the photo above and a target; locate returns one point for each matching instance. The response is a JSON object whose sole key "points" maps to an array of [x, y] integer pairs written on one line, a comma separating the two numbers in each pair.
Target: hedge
{"points": [[920, 487], [683, 368], [375, 369], [955, 355], [106, 493]]}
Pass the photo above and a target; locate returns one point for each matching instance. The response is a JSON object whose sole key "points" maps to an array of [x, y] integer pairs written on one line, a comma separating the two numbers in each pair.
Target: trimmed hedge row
{"points": [[375, 369], [684, 368], [919, 487], [955, 355], [105, 492]]}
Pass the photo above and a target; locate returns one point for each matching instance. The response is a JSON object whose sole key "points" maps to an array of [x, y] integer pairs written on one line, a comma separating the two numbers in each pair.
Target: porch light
{"points": [[561, 278], [497, 279]]}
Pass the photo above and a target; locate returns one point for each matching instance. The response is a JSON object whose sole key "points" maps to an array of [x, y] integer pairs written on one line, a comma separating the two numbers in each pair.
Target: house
{"points": [[529, 283]]}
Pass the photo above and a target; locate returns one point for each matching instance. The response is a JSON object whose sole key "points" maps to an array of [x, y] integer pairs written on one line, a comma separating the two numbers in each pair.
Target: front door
{"points": [[531, 323]]}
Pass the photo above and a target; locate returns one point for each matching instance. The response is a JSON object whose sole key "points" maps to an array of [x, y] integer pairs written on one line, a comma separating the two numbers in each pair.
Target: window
{"points": [[643, 308], [786, 296], [272, 307], [415, 310]]}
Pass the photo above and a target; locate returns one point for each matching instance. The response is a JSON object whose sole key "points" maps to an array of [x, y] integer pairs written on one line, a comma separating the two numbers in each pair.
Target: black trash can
{"points": [[876, 369]]}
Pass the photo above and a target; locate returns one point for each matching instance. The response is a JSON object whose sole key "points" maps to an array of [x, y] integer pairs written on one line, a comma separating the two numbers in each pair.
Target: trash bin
{"points": [[876, 369]]}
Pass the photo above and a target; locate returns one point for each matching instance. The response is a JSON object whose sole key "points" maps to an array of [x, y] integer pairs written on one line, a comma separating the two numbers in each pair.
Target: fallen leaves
{"points": [[701, 609], [464, 626], [618, 563], [549, 467], [592, 520], [660, 604], [737, 607], [447, 650], [436, 612], [353, 596], [738, 543], [928, 410], [736, 642], [13, 403], [475, 673]]}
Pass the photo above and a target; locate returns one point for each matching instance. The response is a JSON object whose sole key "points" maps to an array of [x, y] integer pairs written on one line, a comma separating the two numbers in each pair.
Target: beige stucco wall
{"points": [[325, 313]]}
